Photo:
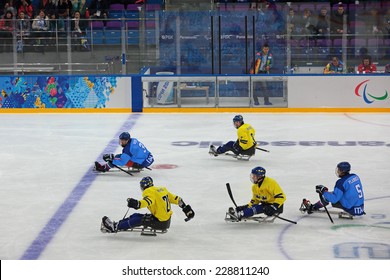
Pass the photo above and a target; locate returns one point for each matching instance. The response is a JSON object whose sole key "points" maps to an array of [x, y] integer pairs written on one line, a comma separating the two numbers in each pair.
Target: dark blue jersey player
{"points": [[134, 155], [347, 194]]}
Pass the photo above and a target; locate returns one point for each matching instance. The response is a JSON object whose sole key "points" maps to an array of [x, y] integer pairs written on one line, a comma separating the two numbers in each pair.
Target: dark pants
{"points": [[258, 209], [262, 91], [146, 220]]}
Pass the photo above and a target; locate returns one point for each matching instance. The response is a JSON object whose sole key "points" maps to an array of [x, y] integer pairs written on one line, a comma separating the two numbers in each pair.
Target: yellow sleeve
{"points": [[326, 69], [174, 199]]}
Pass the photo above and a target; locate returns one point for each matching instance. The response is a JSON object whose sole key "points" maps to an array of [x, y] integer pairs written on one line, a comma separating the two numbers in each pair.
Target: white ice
{"points": [[46, 162]]}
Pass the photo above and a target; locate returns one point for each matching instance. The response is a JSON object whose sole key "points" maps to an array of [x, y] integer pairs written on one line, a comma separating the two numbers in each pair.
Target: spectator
{"points": [[78, 27], [6, 29], [323, 25], [337, 20], [308, 24], [23, 28], [64, 8], [40, 26], [262, 65], [366, 66], [49, 6], [293, 22], [80, 6], [334, 67], [26, 7], [99, 9], [387, 69], [374, 22], [10, 5]]}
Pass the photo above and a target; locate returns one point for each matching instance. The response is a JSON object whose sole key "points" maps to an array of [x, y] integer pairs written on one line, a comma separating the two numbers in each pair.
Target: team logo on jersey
{"points": [[361, 91]]}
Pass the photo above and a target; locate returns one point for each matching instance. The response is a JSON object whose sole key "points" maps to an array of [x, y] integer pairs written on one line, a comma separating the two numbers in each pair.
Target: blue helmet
{"points": [[146, 182], [344, 167], [124, 136], [258, 171], [238, 118]]}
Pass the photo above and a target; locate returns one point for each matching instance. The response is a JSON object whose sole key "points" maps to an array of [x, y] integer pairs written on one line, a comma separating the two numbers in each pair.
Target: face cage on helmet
{"points": [[339, 173], [252, 178]]}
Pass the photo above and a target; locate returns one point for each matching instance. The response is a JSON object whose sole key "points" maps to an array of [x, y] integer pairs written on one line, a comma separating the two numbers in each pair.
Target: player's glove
{"points": [[241, 208], [133, 203], [271, 209], [188, 212], [321, 189], [108, 157]]}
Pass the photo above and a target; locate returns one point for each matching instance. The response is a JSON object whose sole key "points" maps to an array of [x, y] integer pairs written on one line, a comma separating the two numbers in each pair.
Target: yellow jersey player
{"points": [[245, 143], [267, 196], [158, 200]]}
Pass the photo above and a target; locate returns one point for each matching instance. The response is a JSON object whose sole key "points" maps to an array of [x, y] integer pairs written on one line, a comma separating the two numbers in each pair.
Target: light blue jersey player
{"points": [[134, 155], [347, 194]]}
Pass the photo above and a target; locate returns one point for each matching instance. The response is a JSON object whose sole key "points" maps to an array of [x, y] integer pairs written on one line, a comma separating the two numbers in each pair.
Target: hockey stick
{"points": [[284, 219], [276, 215], [122, 169], [128, 208], [327, 212], [264, 150], [230, 194]]}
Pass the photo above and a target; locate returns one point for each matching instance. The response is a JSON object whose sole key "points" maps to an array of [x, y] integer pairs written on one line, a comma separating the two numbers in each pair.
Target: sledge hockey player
{"points": [[347, 194], [245, 143], [158, 200], [134, 155], [267, 197]]}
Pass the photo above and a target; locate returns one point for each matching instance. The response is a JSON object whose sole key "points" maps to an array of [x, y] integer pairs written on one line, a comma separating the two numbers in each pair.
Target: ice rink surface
{"points": [[52, 204]]}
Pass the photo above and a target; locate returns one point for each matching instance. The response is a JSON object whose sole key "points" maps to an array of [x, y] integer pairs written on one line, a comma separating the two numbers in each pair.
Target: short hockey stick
{"points": [[327, 212], [284, 219], [128, 208], [264, 150], [230, 194], [231, 197], [122, 169]]}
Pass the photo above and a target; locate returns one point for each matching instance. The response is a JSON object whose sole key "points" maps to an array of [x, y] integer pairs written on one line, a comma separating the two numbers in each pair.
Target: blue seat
{"points": [[132, 15], [323, 48], [150, 37], [96, 37], [133, 37], [113, 37]]}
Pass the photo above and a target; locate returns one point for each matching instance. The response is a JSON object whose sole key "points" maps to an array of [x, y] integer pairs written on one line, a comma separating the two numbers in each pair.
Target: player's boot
{"points": [[234, 215], [306, 206], [101, 168], [108, 226], [213, 151]]}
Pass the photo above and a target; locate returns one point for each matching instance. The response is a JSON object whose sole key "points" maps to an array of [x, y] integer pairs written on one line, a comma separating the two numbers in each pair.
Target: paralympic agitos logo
{"points": [[361, 91]]}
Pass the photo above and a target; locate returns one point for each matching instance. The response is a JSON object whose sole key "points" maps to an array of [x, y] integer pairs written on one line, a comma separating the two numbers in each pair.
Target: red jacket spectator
{"points": [[366, 66], [26, 7]]}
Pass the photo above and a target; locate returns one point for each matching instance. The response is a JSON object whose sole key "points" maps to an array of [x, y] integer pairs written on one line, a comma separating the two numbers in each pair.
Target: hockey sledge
{"points": [[128, 170], [238, 157], [230, 217], [212, 152], [145, 231], [341, 214]]}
